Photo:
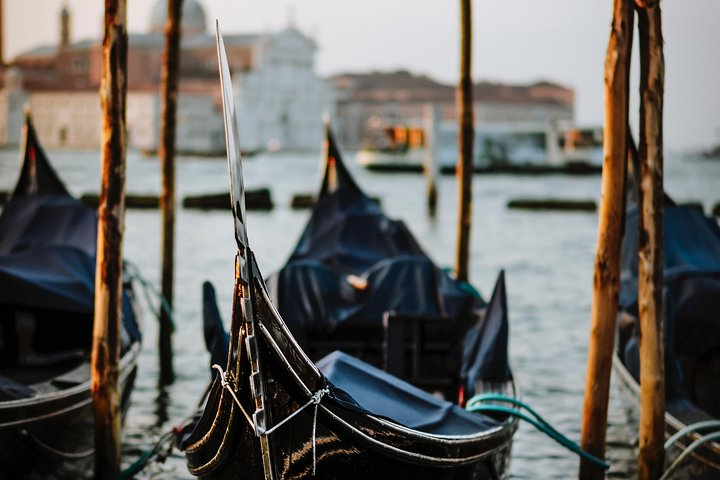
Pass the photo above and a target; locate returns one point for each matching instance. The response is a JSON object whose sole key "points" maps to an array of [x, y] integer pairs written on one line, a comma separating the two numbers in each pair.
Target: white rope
{"points": [[228, 385], [694, 427], [314, 400], [686, 453]]}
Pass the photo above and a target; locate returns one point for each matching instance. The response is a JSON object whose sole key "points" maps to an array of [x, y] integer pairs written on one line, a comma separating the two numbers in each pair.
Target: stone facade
{"points": [[368, 103], [284, 95], [61, 82]]}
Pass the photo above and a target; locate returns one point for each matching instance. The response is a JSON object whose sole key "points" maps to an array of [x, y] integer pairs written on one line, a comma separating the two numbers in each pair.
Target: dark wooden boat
{"points": [[47, 273], [274, 413], [359, 282], [691, 317]]}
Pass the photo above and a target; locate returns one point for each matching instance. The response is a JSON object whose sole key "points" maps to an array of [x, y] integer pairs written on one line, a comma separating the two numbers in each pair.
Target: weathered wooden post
{"points": [[2, 34], [606, 279], [166, 152], [430, 132], [650, 267], [466, 137], [108, 274]]}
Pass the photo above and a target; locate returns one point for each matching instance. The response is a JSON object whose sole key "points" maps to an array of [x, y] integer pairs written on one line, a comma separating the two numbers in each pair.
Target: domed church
{"points": [[280, 98]]}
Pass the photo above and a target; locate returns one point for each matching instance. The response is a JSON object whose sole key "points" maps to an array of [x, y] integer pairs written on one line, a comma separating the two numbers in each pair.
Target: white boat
{"points": [[399, 148], [534, 148], [581, 146]]}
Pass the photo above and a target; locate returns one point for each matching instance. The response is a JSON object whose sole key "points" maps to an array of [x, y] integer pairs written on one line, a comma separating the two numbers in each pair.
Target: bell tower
{"points": [[64, 26]]}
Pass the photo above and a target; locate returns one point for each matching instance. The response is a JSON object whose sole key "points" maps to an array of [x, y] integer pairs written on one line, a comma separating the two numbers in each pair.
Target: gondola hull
{"points": [[274, 413], [47, 271], [51, 435], [347, 443], [703, 463]]}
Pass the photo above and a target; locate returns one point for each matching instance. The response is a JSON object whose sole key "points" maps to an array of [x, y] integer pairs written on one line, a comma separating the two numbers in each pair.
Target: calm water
{"points": [[548, 258]]}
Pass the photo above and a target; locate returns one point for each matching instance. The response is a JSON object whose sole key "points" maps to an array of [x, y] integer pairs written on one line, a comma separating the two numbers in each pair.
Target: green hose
{"points": [[475, 405]]}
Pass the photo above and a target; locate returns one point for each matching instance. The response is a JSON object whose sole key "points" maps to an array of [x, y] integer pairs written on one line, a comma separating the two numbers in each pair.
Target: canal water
{"points": [[547, 256]]}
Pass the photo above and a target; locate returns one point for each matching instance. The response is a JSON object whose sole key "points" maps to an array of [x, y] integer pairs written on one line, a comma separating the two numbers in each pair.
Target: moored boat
{"points": [[47, 272], [359, 281], [691, 327], [274, 413], [522, 148]]}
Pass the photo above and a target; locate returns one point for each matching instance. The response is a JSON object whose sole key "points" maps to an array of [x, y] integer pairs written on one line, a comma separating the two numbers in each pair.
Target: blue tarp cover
{"points": [[691, 299], [47, 247], [353, 263], [387, 396]]}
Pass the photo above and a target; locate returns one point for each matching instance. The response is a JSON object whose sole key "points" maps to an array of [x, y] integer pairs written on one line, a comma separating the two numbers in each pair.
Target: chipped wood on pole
{"points": [[606, 279], [108, 274], [465, 142], [650, 246], [166, 152]]}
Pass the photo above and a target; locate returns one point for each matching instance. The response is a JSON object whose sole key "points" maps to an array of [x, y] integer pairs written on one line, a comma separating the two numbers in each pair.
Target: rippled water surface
{"points": [[548, 258]]}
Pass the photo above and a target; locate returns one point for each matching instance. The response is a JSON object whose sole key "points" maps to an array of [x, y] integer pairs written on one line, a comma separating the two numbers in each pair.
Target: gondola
{"points": [[47, 273], [272, 412], [359, 282], [691, 318]]}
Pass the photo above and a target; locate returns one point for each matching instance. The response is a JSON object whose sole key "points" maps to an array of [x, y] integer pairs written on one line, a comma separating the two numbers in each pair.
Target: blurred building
{"points": [[282, 98], [368, 103]]}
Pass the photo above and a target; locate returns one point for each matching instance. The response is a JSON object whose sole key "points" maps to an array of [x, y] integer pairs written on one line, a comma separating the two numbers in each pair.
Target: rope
{"points": [[133, 273], [694, 427], [314, 400], [229, 385], [162, 449], [54, 451], [686, 453], [474, 405]]}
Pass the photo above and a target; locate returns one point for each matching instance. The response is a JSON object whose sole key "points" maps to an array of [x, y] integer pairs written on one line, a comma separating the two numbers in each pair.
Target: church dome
{"points": [[193, 17]]}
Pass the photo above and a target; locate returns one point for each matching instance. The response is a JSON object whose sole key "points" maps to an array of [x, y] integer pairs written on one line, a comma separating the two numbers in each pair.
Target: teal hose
{"points": [[137, 466], [475, 405], [692, 428]]}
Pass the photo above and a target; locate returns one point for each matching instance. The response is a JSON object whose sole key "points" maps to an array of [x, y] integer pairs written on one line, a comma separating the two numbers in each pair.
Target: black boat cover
{"points": [[359, 386], [217, 340], [485, 355], [47, 255], [692, 244], [387, 396], [691, 302], [353, 263]]}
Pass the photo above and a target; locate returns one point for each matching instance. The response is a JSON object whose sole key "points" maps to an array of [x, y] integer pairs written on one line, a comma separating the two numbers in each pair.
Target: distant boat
{"points": [[47, 273], [273, 413], [401, 148], [502, 148]]}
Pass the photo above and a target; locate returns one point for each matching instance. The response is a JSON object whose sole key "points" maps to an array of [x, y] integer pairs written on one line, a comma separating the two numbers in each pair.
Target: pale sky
{"points": [[515, 41]]}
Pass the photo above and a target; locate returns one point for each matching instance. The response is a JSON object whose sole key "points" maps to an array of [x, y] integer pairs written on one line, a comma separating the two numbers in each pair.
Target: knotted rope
{"points": [[315, 399]]}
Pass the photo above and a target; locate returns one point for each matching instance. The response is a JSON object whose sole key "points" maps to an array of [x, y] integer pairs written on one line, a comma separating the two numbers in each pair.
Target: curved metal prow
{"points": [[237, 189], [244, 273]]}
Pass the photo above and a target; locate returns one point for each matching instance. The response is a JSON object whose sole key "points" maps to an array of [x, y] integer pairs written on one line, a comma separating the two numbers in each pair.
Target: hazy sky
{"points": [[515, 41]]}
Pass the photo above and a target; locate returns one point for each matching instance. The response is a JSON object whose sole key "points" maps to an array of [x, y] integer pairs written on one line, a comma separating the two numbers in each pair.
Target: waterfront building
{"points": [[368, 103], [281, 96]]}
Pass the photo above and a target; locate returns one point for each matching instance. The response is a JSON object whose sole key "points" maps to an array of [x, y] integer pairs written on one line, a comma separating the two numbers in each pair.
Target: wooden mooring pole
{"points": [[108, 274], [2, 33], [430, 166], [650, 266], [166, 152], [465, 141], [606, 279]]}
